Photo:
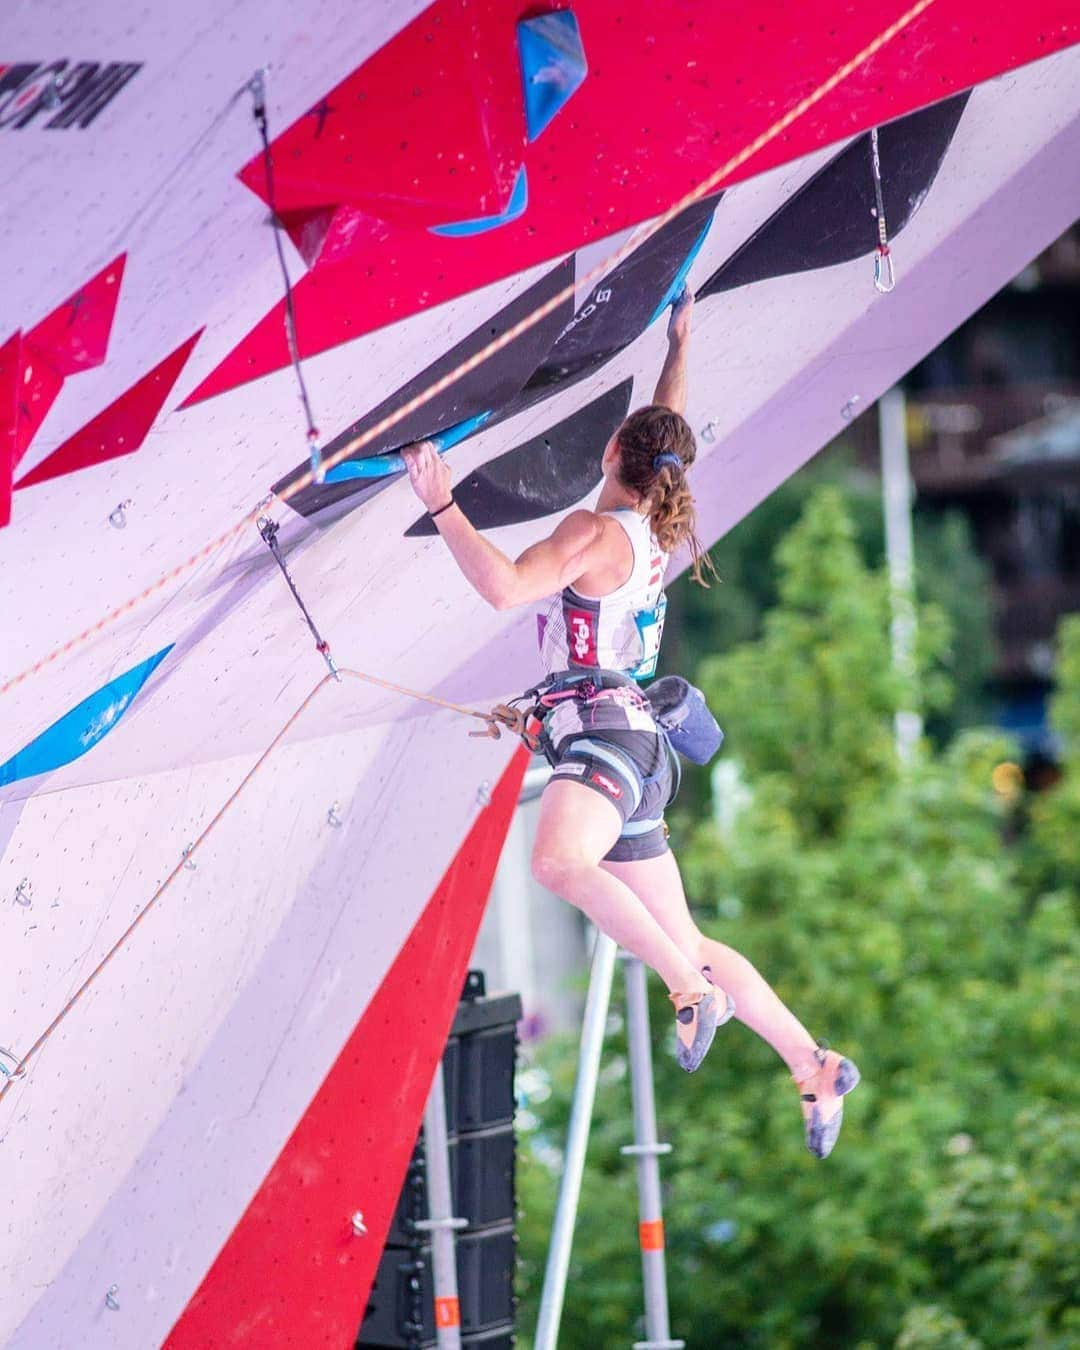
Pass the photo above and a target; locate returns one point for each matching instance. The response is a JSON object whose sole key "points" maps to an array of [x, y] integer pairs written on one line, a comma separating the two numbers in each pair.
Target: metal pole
{"points": [[441, 1223], [510, 901], [647, 1151], [899, 549], [577, 1138]]}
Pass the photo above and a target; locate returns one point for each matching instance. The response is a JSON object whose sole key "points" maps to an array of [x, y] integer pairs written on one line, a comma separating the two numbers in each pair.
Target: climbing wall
{"points": [[237, 895]]}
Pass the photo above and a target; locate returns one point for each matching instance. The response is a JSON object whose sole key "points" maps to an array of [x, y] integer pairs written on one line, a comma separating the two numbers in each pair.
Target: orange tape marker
{"points": [[447, 1312]]}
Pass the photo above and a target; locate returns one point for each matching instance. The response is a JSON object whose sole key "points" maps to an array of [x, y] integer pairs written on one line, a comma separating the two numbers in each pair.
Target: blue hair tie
{"points": [[668, 457]]}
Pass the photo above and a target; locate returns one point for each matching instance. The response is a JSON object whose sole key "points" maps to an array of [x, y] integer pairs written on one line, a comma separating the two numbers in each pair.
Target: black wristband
{"points": [[449, 504]]}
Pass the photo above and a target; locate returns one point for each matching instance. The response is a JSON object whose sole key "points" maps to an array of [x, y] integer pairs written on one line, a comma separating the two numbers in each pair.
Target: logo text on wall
{"points": [[59, 95]]}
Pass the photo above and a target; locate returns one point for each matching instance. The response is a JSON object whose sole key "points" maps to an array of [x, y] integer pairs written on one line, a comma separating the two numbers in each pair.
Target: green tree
{"points": [[1055, 816], [949, 575], [888, 910]]}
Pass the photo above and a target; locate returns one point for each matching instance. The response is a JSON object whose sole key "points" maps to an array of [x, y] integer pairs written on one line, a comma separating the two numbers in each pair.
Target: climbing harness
{"points": [[884, 271], [677, 707]]}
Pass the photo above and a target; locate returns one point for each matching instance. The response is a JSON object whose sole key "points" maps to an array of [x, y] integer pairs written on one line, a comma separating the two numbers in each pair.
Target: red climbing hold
{"points": [[75, 336], [30, 386], [33, 366], [10, 354], [121, 428], [429, 128], [328, 234]]}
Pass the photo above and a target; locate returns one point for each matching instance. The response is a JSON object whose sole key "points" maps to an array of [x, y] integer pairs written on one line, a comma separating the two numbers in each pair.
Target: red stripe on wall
{"points": [[293, 1273]]}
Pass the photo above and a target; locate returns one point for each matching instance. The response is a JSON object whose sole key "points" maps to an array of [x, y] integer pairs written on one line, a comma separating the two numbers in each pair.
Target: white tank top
{"points": [[620, 631]]}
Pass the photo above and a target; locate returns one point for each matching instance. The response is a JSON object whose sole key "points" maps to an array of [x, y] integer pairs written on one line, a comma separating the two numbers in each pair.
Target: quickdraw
{"points": [[884, 271]]}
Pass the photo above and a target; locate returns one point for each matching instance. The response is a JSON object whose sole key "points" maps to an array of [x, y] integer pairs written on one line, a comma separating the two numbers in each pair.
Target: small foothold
{"points": [[483, 793], [118, 516], [24, 893], [847, 412], [515, 207], [112, 1302], [189, 861], [359, 1227], [333, 816]]}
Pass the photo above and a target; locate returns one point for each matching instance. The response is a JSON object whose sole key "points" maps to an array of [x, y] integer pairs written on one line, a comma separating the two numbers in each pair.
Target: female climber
{"points": [[601, 842]]}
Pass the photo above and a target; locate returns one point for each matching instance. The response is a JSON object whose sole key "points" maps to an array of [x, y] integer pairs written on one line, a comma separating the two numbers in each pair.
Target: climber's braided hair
{"points": [[656, 447]]}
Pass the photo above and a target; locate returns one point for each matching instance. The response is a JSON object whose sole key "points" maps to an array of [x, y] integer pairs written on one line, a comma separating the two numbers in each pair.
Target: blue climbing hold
{"points": [[375, 466], [457, 433], [553, 65], [80, 729], [519, 200], [678, 281], [379, 466]]}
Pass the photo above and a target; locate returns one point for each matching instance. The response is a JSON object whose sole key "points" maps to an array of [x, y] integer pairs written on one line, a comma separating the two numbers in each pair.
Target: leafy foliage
{"points": [[889, 910], [949, 575]]}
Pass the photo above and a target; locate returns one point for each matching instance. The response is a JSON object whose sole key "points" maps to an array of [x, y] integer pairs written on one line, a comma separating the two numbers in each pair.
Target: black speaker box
{"points": [[478, 1065], [478, 1075], [481, 1179], [485, 1269]]}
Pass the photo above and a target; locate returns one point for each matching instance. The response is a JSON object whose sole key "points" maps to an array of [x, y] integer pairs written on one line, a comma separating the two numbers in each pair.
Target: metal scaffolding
{"points": [[644, 1148]]}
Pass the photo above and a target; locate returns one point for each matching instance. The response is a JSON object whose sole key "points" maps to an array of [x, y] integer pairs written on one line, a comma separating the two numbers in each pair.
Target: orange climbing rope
{"points": [[497, 344], [493, 719]]}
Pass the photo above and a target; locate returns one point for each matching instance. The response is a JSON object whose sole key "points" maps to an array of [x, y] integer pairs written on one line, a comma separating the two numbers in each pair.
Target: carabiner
{"points": [[884, 272]]}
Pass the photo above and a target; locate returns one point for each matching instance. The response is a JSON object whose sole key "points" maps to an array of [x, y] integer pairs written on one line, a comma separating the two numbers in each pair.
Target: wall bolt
{"points": [[708, 431], [483, 793], [118, 516], [189, 861], [847, 412], [359, 1227], [111, 1300], [333, 816], [51, 95], [24, 894]]}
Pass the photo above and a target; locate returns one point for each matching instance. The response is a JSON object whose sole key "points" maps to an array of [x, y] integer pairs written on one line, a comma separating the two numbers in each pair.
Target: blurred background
{"points": [[920, 912]]}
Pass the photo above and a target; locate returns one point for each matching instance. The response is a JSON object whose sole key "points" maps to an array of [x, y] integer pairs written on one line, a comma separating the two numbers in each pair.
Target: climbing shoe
{"points": [[696, 1018], [821, 1095]]}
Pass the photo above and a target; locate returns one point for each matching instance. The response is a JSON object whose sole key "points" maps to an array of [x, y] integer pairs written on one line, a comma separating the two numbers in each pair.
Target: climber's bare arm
{"points": [[671, 387], [574, 547]]}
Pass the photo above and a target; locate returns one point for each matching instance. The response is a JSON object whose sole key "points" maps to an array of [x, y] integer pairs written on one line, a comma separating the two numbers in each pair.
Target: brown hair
{"points": [[646, 434]]}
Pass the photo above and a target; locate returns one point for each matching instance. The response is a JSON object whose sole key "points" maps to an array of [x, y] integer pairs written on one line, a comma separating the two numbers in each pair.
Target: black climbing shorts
{"points": [[633, 770]]}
